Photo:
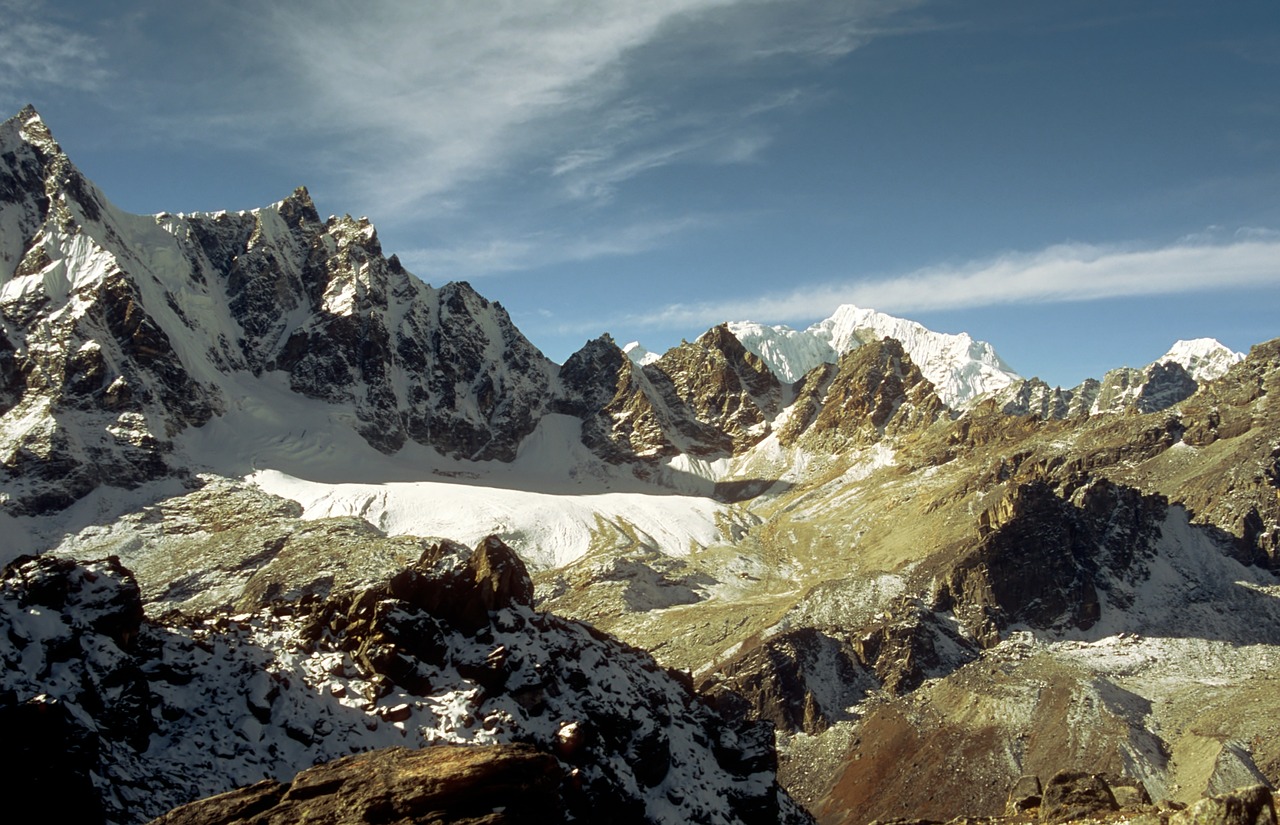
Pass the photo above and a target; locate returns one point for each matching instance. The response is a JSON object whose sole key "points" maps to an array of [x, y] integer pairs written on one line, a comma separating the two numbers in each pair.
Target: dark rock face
{"points": [[455, 784], [775, 681], [75, 662], [1040, 557], [50, 757], [99, 600]]}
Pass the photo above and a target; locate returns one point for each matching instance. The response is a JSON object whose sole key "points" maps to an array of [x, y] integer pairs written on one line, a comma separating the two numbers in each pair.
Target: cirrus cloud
{"points": [[1060, 273]]}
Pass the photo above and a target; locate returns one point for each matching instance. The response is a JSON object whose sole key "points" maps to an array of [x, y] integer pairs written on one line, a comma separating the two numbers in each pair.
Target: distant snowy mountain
{"points": [[639, 354], [960, 368], [1171, 378], [1205, 359]]}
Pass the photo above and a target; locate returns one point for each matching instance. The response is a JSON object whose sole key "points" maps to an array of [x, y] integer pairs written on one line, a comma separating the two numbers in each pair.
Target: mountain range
{"points": [[270, 498]]}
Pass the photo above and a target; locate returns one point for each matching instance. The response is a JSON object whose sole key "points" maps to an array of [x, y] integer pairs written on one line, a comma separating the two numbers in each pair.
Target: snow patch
{"points": [[546, 529]]}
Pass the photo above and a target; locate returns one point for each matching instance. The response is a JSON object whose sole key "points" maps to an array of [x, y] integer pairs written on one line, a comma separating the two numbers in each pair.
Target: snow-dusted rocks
{"points": [[122, 332], [448, 651]]}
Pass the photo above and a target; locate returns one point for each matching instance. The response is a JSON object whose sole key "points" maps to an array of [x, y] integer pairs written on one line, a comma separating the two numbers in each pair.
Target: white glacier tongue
{"points": [[1204, 358], [959, 367]]}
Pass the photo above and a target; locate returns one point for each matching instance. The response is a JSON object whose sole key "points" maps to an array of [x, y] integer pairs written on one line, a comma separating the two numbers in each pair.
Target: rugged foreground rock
{"points": [[462, 784], [128, 716]]}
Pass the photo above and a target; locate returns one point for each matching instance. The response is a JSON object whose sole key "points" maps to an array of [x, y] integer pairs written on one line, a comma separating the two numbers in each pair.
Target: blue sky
{"points": [[1079, 183]]}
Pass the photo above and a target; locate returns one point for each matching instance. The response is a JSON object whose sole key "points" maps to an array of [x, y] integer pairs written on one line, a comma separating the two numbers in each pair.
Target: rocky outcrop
{"points": [[454, 784], [710, 397], [804, 681], [1254, 805], [1041, 559], [622, 417], [876, 392], [717, 383], [799, 681]]}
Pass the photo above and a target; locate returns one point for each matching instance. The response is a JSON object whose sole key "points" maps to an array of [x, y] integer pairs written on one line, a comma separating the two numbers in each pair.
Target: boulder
{"points": [[464, 586], [1076, 795], [1244, 806], [1025, 795]]}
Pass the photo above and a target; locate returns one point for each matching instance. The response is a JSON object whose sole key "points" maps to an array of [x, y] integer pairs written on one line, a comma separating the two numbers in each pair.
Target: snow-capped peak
{"points": [[639, 354], [959, 367], [1204, 358]]}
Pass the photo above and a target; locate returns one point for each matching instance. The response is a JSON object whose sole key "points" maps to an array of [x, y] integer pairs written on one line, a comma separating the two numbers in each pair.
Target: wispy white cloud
{"points": [[416, 104], [38, 52], [506, 253], [1067, 272]]}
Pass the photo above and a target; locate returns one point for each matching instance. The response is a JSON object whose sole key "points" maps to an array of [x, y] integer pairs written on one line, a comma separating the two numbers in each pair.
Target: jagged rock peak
{"points": [[30, 127], [877, 390], [298, 209], [728, 391]]}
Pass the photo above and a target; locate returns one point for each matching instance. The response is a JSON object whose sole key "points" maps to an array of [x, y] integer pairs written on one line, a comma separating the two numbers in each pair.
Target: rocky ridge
{"points": [[1171, 378], [121, 332]]}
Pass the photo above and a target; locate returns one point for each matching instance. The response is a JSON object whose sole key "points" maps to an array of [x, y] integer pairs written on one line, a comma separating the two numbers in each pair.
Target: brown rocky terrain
{"points": [[1004, 595]]}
